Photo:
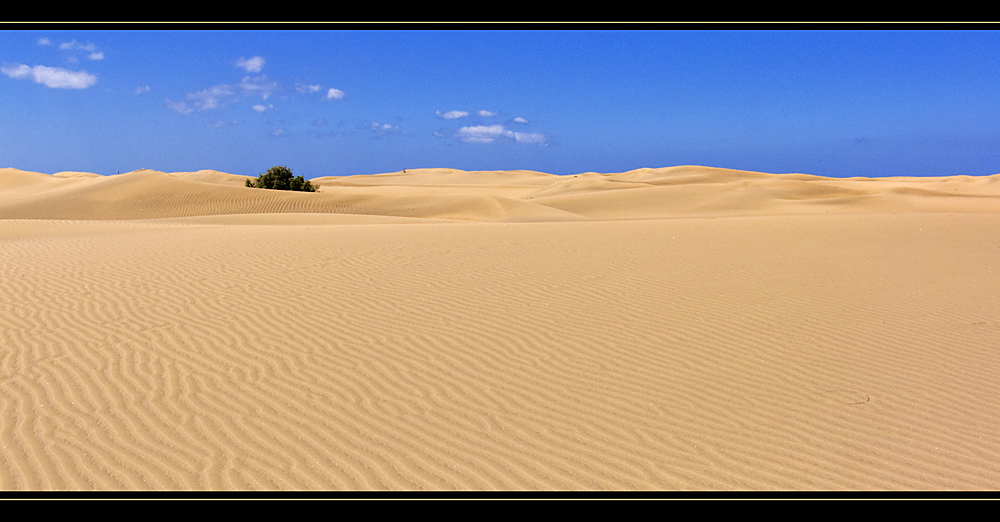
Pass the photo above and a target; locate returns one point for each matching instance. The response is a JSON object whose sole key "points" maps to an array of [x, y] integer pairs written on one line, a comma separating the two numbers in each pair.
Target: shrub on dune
{"points": [[280, 178]]}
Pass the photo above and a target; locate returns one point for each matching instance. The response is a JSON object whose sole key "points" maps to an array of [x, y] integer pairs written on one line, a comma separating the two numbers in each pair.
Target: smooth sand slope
{"points": [[686, 328]]}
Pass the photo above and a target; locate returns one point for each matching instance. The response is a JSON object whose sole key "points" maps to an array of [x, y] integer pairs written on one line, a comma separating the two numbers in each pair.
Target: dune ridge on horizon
{"points": [[488, 195], [676, 329]]}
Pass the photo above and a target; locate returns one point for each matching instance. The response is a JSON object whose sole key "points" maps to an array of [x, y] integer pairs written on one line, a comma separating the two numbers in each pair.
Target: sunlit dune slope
{"points": [[684, 328], [489, 195]]}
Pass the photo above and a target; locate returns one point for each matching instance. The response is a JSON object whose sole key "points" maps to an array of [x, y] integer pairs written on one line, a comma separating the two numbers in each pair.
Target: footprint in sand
{"points": [[986, 324]]}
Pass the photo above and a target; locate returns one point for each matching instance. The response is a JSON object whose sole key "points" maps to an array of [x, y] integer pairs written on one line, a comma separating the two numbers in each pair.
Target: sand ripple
{"points": [[399, 350]]}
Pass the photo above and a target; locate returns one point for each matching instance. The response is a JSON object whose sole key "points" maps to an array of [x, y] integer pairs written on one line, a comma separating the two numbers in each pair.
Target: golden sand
{"points": [[684, 328]]}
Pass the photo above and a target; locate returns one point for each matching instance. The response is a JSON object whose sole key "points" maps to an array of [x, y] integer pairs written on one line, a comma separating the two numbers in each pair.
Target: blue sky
{"points": [[340, 102]]}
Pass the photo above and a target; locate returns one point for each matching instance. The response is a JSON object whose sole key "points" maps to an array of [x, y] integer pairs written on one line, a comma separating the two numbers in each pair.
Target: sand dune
{"points": [[684, 328], [490, 196]]}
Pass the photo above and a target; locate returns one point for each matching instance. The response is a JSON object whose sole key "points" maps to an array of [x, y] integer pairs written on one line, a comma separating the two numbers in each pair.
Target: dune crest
{"points": [[684, 191]]}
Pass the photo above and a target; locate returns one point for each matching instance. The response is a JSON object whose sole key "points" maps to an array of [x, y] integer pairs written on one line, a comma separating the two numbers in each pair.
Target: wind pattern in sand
{"points": [[664, 329]]}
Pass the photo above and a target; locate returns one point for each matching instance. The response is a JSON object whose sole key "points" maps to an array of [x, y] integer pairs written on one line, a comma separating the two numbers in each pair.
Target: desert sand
{"points": [[672, 329]]}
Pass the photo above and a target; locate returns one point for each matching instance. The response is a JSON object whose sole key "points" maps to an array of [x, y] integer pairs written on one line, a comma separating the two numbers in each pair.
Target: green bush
{"points": [[280, 178]]}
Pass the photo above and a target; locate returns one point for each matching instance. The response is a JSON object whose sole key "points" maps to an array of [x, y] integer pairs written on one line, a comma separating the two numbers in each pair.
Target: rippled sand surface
{"points": [[685, 328]]}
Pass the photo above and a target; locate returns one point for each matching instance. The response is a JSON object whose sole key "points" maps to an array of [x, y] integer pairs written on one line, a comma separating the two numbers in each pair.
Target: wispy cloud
{"points": [[384, 130], [180, 107], [95, 53], [141, 89], [54, 77], [486, 113], [253, 65], [209, 98], [451, 115], [258, 85], [44, 41], [334, 94], [531, 137], [492, 133], [216, 125], [224, 94], [262, 108], [520, 120], [307, 88]]}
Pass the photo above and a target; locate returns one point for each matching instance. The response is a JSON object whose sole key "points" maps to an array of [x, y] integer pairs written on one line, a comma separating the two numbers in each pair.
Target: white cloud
{"points": [[54, 77], [384, 127], [491, 133], [530, 137], [180, 107], [254, 64], [221, 95], [385, 130], [483, 133], [520, 120], [209, 98], [202, 100], [262, 108], [260, 84], [95, 54], [451, 115], [141, 89], [306, 88], [44, 41], [486, 113], [334, 94]]}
